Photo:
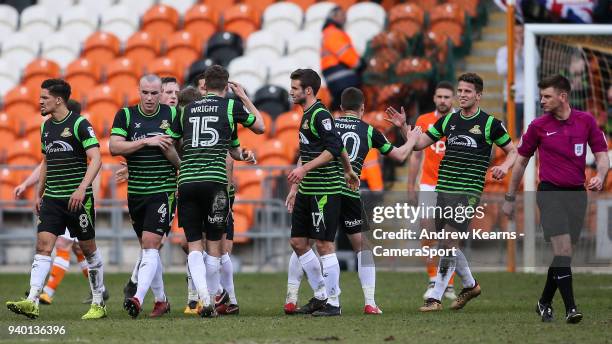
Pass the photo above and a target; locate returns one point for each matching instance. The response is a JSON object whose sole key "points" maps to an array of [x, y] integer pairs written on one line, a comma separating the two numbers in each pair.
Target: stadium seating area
{"points": [[102, 47]]}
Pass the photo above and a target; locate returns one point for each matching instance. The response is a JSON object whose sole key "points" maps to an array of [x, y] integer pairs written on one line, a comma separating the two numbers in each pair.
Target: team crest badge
{"points": [[305, 125], [327, 124], [579, 149], [164, 125], [475, 130], [66, 133]]}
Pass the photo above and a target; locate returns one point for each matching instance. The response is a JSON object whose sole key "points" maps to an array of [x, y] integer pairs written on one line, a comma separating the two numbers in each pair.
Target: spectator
{"points": [[519, 76], [340, 62]]}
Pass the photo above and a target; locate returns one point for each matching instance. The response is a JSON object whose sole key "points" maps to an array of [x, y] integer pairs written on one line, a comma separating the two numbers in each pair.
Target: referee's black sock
{"points": [[563, 277], [549, 288]]}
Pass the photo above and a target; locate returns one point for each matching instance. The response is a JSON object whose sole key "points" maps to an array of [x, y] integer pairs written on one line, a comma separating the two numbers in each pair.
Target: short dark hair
{"points": [[216, 78], [73, 106], [307, 78], [57, 88], [557, 81], [445, 85], [352, 99], [198, 78], [187, 95], [474, 79], [168, 79]]}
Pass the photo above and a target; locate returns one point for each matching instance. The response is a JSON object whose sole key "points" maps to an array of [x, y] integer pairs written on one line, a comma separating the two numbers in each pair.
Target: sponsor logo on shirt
{"points": [[476, 130], [66, 133], [462, 140], [305, 125], [353, 223], [327, 125], [59, 146], [164, 125]]}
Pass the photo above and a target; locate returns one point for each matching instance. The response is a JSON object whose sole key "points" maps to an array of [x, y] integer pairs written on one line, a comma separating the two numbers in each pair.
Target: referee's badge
{"points": [[579, 149]]}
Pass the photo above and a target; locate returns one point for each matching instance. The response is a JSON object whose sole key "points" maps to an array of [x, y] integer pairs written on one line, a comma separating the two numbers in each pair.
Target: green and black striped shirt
{"points": [[468, 150], [208, 129], [358, 138], [150, 172], [317, 134], [64, 144]]}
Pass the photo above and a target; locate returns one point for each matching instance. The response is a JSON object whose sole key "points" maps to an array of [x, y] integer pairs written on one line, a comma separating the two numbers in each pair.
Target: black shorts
{"points": [[152, 213], [55, 218], [229, 229], [456, 205], [352, 216], [203, 207], [315, 217], [562, 210]]}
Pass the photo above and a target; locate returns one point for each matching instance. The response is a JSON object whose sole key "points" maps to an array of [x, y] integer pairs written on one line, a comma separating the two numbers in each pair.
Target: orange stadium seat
{"points": [[122, 74], [249, 183], [218, 6], [426, 5], [259, 5], [39, 70], [165, 66], [243, 220], [241, 19], [470, 6], [102, 104], [21, 100], [201, 21], [23, 153], [449, 20], [141, 47], [9, 179], [160, 21], [248, 139], [287, 120], [31, 123], [82, 76], [304, 4], [8, 124], [133, 97], [34, 136], [407, 18], [100, 48], [183, 48], [377, 120], [273, 152], [290, 139]]}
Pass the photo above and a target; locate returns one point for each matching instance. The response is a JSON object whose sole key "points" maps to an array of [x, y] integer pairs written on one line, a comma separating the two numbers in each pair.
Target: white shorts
{"points": [[67, 236], [427, 195]]}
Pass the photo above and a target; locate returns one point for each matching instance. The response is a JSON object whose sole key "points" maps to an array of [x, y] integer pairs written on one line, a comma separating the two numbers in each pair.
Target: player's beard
{"points": [[442, 109]]}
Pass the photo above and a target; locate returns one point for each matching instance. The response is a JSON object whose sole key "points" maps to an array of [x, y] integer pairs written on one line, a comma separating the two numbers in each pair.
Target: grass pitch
{"points": [[504, 313]]}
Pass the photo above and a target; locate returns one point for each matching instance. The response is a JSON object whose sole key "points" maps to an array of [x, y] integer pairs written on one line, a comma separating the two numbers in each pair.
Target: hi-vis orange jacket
{"points": [[337, 48]]}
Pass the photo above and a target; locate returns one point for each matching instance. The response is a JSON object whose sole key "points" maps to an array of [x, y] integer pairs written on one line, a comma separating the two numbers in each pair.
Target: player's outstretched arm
{"points": [[258, 126], [400, 154], [31, 180], [239, 154], [95, 162], [120, 146], [499, 172], [602, 161], [41, 184], [518, 170], [300, 171]]}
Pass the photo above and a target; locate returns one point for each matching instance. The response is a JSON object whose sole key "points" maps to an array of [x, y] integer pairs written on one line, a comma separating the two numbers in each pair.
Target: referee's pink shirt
{"points": [[561, 146]]}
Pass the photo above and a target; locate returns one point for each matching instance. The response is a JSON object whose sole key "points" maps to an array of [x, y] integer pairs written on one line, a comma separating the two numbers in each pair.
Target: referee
{"points": [[560, 136]]}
